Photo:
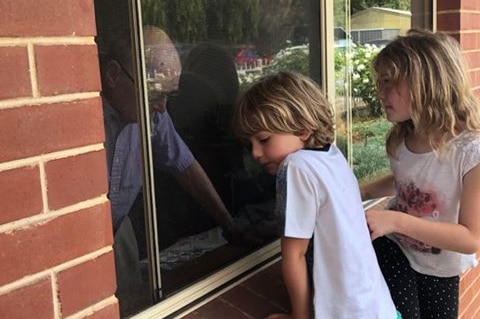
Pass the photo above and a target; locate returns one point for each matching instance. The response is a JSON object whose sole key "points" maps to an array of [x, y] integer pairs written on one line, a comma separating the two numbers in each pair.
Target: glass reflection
{"points": [[214, 204], [219, 59], [359, 37]]}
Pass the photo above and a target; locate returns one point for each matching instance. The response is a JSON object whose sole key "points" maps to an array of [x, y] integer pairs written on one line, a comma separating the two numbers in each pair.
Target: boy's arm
{"points": [[379, 188], [295, 275]]}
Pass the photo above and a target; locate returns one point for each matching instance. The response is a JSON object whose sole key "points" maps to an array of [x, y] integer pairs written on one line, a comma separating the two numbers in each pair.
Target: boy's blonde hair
{"points": [[442, 102], [285, 102]]}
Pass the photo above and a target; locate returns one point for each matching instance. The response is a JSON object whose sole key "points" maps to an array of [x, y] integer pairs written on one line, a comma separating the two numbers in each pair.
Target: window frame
{"points": [[195, 295]]}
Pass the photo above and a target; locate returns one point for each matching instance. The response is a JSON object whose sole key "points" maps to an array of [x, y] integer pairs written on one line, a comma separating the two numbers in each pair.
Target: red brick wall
{"points": [[56, 258], [55, 228], [462, 20]]}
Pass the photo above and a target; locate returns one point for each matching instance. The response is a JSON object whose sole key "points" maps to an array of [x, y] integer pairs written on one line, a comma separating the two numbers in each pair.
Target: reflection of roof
{"points": [[385, 10]]}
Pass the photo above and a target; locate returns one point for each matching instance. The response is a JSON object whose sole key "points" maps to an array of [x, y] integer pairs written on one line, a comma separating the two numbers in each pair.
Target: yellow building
{"points": [[379, 24], [374, 18]]}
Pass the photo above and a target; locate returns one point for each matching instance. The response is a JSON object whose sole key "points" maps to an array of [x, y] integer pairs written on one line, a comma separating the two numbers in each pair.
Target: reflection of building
{"points": [[376, 24], [55, 228], [376, 18]]}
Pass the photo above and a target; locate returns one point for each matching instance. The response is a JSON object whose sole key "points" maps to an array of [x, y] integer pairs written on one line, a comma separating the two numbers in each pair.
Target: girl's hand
{"points": [[279, 316], [381, 222]]}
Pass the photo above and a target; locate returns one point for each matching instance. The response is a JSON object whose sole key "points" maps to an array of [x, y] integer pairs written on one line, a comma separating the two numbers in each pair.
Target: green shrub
{"points": [[369, 161], [362, 81], [369, 156], [368, 150], [294, 58], [356, 62]]}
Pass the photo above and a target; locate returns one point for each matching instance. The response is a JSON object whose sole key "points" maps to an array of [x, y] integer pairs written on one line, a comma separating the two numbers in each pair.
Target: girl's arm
{"points": [[295, 275], [463, 237], [380, 188]]}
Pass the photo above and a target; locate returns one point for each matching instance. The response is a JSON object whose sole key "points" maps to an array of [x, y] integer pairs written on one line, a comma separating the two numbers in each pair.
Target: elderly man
{"points": [[170, 152], [122, 143]]}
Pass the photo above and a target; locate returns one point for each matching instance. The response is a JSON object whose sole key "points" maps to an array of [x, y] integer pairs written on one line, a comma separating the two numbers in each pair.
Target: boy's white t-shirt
{"points": [[318, 195]]}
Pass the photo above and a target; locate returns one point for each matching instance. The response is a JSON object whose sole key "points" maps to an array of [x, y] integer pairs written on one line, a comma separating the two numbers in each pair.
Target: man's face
{"points": [[119, 89], [163, 68]]}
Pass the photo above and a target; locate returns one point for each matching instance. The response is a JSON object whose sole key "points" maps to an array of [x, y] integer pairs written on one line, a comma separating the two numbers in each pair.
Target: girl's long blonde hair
{"points": [[442, 102]]}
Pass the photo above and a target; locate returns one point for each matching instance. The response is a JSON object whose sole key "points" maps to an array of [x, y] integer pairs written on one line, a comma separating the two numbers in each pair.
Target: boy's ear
{"points": [[305, 135]]}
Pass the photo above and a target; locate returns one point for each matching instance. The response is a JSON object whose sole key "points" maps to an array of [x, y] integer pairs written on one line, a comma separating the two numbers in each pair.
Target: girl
{"points": [[432, 224]]}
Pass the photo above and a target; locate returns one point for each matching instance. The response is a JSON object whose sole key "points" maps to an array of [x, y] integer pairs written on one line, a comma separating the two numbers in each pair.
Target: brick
{"points": [[77, 178], [477, 92], [24, 18], [475, 79], [20, 193], [448, 21], [109, 312], [67, 69], [470, 21], [477, 313], [194, 315], [218, 309], [45, 245], [15, 76], [33, 301], [86, 284], [473, 59], [448, 5], [41, 129], [469, 296], [472, 305], [470, 5], [470, 41], [254, 305], [270, 289], [469, 277], [466, 296]]}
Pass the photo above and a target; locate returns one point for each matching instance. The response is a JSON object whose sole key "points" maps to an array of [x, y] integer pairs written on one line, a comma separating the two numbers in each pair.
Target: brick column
{"points": [[461, 19], [56, 258]]}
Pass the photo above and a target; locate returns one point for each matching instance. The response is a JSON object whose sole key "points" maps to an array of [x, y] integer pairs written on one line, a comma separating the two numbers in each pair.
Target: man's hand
{"points": [[237, 237]]}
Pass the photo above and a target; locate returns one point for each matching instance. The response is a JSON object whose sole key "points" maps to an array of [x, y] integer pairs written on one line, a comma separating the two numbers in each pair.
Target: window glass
{"points": [[187, 198], [188, 61], [200, 55], [361, 29]]}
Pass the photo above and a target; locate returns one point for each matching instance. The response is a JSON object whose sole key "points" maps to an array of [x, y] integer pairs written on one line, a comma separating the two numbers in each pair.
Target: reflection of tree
{"points": [[234, 22], [243, 21], [284, 20], [192, 21]]}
